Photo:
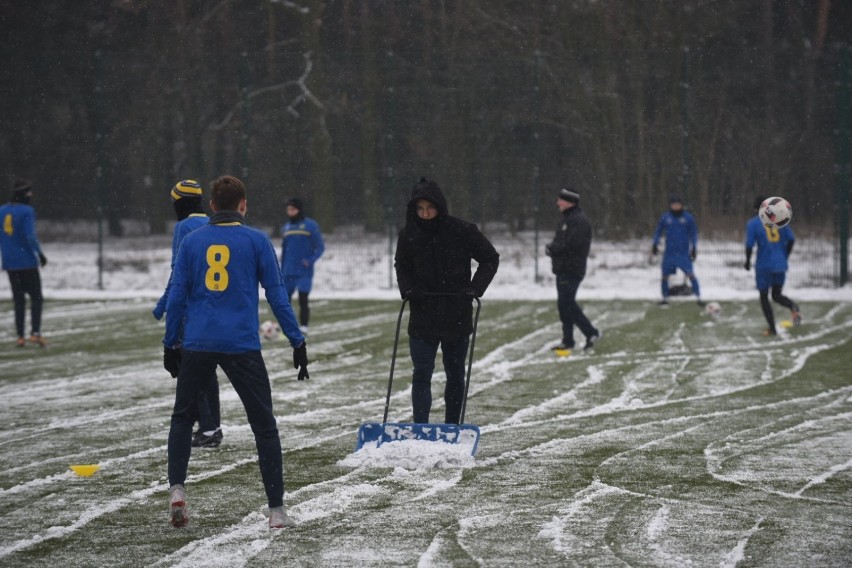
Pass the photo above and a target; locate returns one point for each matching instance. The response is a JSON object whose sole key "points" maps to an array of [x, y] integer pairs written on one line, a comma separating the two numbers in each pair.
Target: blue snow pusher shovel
{"points": [[461, 433]]}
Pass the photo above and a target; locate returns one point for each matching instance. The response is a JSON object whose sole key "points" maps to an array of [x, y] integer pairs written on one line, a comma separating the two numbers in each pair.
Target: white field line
{"points": [[737, 555], [825, 476], [615, 405]]}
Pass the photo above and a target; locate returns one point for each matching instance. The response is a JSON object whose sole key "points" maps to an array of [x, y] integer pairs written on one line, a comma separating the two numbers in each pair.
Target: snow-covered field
{"points": [[356, 265], [681, 441]]}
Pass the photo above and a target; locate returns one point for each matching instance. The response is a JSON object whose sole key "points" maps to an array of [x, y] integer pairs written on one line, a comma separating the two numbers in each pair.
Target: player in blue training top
{"points": [[681, 246], [214, 297], [301, 247], [774, 246], [22, 256], [186, 200]]}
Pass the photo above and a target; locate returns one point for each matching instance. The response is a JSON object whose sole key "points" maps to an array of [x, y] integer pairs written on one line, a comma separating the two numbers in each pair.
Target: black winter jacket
{"points": [[570, 247], [435, 256]]}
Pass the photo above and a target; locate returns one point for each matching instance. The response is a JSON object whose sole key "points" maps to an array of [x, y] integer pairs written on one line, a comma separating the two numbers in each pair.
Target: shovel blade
{"points": [[466, 434]]}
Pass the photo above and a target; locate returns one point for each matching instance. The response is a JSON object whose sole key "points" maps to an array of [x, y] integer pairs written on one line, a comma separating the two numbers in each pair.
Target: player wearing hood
{"points": [[681, 233], [433, 256], [301, 247]]}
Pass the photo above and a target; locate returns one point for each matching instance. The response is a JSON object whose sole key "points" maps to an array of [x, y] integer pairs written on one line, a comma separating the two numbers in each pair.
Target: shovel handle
{"points": [[396, 346], [393, 359]]}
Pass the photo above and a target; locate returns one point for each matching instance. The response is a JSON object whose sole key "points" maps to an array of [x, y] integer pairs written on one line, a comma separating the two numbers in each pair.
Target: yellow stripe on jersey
{"points": [[297, 232]]}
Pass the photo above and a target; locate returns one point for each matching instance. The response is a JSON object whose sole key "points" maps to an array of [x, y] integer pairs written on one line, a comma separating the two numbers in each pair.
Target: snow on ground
{"points": [[684, 441], [357, 265]]}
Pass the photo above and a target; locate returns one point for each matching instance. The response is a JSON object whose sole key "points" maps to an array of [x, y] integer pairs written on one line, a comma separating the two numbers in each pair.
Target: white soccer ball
{"points": [[775, 212], [269, 330], [713, 309]]}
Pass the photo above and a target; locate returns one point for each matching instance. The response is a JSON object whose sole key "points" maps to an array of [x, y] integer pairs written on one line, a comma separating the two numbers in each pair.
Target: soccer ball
{"points": [[713, 309], [775, 212], [269, 330]]}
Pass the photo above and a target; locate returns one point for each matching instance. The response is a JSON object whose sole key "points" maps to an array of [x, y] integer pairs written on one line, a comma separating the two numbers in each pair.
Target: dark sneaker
{"points": [[701, 303], [591, 341], [177, 506], [562, 346], [202, 440], [663, 303], [796, 315], [768, 332]]}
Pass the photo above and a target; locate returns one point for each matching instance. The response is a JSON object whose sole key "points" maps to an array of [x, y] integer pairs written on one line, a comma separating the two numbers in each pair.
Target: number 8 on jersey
{"points": [[217, 259]]}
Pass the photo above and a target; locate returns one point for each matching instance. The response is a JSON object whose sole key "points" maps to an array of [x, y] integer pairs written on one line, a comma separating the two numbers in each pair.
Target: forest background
{"points": [[105, 104]]}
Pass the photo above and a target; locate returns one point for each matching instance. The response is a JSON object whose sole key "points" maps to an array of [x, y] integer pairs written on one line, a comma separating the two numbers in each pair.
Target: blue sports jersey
{"points": [[215, 289], [182, 229], [772, 244], [301, 246], [18, 243], [681, 233]]}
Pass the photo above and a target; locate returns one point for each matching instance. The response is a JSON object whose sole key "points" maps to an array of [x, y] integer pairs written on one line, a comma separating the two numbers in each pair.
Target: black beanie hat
{"points": [[296, 202], [569, 194], [20, 191], [675, 199], [758, 200]]}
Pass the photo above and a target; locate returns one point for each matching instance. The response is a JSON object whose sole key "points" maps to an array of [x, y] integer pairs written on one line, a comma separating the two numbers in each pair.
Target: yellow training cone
{"points": [[786, 324], [85, 470], [562, 352]]}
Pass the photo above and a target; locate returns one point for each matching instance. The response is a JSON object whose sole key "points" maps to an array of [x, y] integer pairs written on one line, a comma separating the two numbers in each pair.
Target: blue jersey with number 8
{"points": [[772, 244], [215, 290]]}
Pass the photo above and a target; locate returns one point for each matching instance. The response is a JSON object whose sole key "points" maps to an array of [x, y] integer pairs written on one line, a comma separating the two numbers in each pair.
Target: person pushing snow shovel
{"points": [[433, 272]]}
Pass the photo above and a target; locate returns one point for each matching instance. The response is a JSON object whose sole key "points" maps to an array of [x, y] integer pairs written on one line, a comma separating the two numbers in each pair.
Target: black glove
{"points": [[655, 250], [747, 264], [42, 259], [471, 292], [547, 250], [692, 254], [300, 361], [414, 296], [171, 361]]}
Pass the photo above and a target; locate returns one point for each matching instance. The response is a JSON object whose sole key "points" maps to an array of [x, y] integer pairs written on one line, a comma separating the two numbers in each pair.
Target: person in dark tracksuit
{"points": [[774, 246], [568, 253], [433, 256], [22, 257], [186, 200], [301, 247], [214, 299], [681, 232]]}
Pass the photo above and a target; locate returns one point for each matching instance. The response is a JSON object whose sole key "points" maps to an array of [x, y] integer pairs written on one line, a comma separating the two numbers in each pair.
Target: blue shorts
{"points": [[298, 282], [671, 264], [766, 279]]}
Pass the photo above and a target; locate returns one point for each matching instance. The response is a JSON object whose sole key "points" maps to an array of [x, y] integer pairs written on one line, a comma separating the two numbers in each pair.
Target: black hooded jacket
{"points": [[570, 247], [435, 256]]}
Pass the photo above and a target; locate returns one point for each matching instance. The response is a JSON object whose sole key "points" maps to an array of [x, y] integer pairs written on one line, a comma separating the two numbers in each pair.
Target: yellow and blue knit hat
{"points": [[186, 188]]}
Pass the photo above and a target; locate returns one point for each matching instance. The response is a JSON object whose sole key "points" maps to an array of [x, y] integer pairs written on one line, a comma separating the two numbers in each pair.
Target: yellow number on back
{"points": [[7, 224], [217, 259], [772, 234]]}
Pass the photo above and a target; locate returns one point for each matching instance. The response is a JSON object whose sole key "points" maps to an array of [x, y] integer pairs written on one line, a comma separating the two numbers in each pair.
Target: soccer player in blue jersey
{"points": [[774, 246], [214, 297], [681, 232], [301, 247], [22, 256], [186, 199]]}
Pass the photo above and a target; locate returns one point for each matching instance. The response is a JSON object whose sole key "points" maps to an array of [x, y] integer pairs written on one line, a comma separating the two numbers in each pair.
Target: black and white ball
{"points": [[775, 212], [269, 330], [713, 309]]}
